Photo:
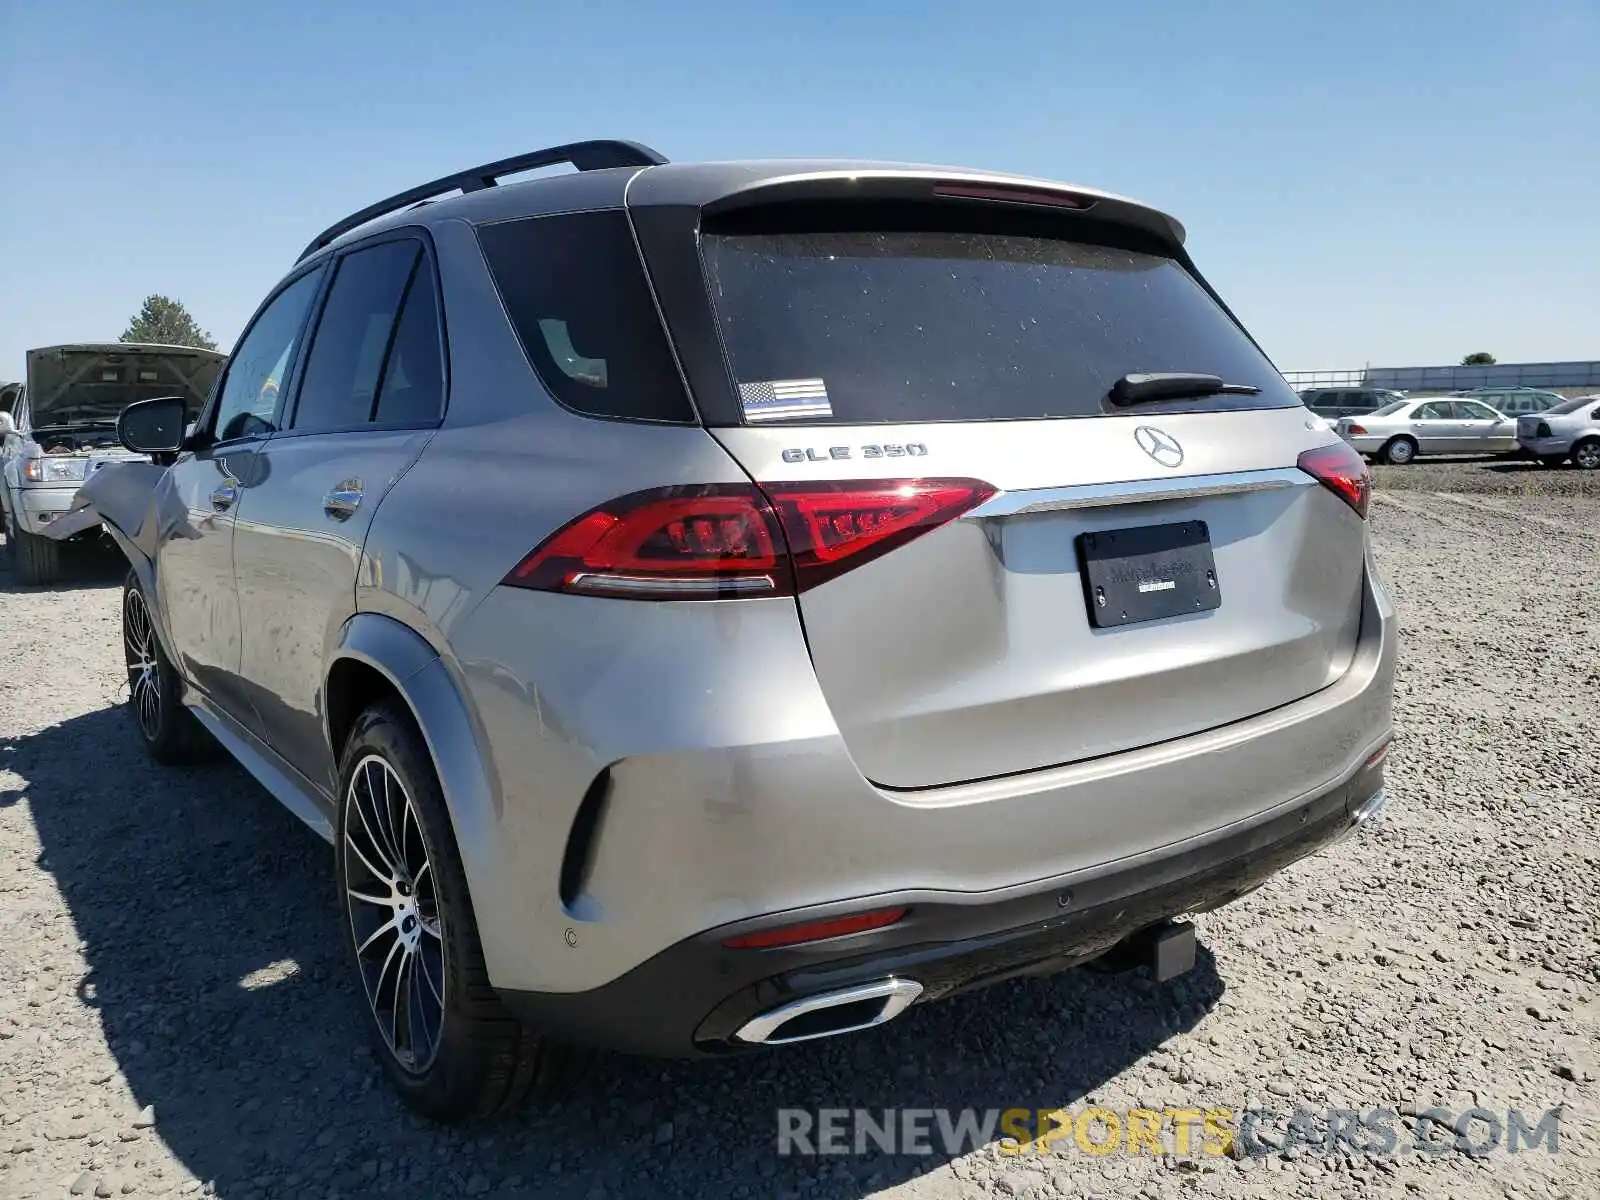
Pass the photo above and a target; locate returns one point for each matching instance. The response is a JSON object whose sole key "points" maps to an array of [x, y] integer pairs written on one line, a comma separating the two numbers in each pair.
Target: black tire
{"points": [[1398, 452], [478, 1060], [168, 730], [36, 560], [1586, 455]]}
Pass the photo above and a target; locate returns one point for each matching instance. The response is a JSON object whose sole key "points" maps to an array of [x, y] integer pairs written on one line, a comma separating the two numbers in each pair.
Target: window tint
{"points": [[259, 363], [413, 379], [352, 338], [1567, 406], [917, 325], [576, 295]]}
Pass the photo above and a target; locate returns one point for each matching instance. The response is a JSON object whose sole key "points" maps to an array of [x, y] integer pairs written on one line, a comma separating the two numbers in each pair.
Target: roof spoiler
{"points": [[585, 156]]}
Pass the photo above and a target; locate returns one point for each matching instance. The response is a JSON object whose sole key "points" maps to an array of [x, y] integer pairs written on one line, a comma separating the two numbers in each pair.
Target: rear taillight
{"points": [[723, 541], [1356, 430], [1543, 430], [1342, 471]]}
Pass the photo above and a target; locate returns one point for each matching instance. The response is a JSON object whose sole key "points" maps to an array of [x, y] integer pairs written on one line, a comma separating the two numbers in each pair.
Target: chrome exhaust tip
{"points": [[830, 1014], [1366, 813]]}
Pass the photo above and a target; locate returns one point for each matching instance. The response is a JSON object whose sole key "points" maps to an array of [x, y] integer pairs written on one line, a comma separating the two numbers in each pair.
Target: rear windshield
{"points": [[1567, 406], [919, 326], [1393, 406]]}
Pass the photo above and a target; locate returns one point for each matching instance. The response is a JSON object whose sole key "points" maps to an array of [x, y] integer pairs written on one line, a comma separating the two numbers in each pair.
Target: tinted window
{"points": [[412, 392], [1567, 406], [576, 294], [352, 338], [1439, 410], [260, 362], [934, 326]]}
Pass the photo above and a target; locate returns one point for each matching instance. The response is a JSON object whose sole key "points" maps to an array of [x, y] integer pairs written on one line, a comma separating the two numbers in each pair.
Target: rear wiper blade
{"points": [[1145, 386]]}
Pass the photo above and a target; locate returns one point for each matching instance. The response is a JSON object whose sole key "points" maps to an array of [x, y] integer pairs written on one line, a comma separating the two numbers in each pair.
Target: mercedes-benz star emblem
{"points": [[1162, 447]]}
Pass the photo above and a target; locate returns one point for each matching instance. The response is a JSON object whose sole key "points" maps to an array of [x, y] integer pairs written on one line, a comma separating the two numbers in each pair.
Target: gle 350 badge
{"points": [[873, 450]]}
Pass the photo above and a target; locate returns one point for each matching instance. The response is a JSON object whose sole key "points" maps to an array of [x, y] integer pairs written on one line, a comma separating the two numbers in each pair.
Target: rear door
{"points": [[887, 375], [370, 396], [1435, 427]]}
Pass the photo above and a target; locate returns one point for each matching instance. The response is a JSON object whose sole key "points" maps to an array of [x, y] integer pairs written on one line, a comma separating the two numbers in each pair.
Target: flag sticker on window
{"points": [[784, 399]]}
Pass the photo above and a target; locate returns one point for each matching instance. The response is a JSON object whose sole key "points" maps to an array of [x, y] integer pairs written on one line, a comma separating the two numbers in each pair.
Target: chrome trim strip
{"points": [[897, 995], [673, 583], [1137, 491]]}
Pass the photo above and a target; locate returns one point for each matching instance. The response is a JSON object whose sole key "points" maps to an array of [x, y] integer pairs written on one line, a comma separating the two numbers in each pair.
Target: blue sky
{"points": [[1394, 183]]}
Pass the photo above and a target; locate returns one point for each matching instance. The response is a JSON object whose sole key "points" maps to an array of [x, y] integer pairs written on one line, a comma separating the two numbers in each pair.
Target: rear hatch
{"points": [[1065, 578], [88, 385]]}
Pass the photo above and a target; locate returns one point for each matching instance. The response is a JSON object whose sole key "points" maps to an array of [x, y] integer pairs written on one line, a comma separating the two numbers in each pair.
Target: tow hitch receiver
{"points": [[1168, 949]]}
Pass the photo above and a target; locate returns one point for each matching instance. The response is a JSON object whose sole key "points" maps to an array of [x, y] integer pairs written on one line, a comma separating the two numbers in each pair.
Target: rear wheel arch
{"points": [[378, 657]]}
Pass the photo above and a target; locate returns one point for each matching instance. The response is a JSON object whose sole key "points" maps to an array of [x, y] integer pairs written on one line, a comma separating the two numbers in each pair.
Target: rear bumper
{"points": [[1547, 445], [692, 999]]}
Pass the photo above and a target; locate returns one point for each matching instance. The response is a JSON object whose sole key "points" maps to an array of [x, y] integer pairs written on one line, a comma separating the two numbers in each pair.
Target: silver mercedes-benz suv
{"points": [[710, 606]]}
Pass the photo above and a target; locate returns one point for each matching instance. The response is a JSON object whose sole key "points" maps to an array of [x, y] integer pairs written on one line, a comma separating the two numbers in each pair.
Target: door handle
{"points": [[342, 502], [223, 496]]}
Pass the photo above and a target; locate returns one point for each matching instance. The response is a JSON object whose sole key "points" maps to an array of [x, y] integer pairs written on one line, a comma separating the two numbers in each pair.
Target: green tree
{"points": [[1481, 359], [164, 321]]}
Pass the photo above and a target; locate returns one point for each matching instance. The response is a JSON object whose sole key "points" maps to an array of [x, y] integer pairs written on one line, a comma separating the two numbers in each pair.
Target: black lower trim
{"points": [[690, 999]]}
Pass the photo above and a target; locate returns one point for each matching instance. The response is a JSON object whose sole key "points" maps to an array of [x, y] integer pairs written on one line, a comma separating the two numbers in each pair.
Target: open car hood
{"points": [[96, 381]]}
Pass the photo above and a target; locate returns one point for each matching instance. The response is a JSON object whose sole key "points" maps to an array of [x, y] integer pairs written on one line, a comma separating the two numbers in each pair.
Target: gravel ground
{"points": [[174, 1016]]}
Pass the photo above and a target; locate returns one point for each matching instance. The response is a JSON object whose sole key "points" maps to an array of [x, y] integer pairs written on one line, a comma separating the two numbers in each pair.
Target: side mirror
{"points": [[153, 426]]}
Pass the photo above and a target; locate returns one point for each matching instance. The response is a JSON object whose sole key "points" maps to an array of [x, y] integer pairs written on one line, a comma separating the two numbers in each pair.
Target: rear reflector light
{"points": [[724, 541], [815, 931], [1376, 757], [1342, 471]]}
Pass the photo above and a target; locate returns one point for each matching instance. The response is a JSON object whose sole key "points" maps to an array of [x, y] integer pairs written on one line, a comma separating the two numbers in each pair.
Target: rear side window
{"points": [[916, 326], [576, 294], [352, 339]]}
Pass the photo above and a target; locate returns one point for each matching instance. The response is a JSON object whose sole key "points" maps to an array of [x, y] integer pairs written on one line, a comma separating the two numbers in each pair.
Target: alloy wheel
{"points": [[144, 678], [394, 913], [1587, 456]]}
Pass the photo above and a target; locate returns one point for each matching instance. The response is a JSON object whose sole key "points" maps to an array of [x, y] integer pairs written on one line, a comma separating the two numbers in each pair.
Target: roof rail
{"points": [[585, 156]]}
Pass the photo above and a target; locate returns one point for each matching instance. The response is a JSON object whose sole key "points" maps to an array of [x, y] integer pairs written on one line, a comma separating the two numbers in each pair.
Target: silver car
{"points": [[1569, 430], [718, 606], [60, 426], [1400, 432]]}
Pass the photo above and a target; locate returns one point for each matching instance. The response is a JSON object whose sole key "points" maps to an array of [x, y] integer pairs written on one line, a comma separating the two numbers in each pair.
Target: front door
{"points": [[367, 402], [203, 493]]}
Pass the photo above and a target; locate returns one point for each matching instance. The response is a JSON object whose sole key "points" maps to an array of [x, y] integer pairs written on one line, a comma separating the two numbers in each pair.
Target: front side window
{"points": [[260, 364], [916, 326]]}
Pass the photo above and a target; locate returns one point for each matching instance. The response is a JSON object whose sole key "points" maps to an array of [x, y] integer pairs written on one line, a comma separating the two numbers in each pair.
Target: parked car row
{"points": [[1392, 428]]}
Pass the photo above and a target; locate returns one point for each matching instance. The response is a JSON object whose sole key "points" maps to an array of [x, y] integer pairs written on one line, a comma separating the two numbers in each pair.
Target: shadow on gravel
{"points": [[215, 964]]}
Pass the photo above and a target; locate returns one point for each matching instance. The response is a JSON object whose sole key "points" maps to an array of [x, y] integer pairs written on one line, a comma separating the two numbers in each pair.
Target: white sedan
{"points": [[1398, 432]]}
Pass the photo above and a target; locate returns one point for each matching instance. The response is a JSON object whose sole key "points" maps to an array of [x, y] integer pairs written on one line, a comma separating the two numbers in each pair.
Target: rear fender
{"points": [[423, 681]]}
